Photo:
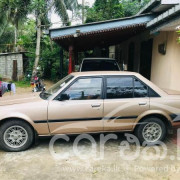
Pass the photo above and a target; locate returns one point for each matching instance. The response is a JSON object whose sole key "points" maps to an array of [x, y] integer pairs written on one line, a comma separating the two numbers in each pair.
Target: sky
{"points": [[87, 1], [56, 20]]}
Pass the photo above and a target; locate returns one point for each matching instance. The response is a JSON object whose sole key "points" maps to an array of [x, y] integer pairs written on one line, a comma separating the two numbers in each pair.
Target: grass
{"points": [[22, 84]]}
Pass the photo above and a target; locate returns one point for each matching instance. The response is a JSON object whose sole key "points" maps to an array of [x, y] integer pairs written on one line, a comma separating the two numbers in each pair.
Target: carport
{"points": [[101, 34]]}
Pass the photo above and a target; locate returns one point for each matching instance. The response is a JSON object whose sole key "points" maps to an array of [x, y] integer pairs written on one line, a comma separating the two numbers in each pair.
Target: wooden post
{"points": [[71, 59]]}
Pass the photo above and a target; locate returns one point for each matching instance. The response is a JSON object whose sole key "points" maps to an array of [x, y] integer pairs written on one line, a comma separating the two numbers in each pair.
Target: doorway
{"points": [[131, 57], [14, 74], [146, 58]]}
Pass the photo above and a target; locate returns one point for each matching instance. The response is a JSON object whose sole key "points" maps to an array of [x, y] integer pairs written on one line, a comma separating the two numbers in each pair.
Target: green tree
{"points": [[49, 59], [104, 10], [3, 21], [7, 39], [111, 9], [41, 9], [14, 12], [131, 7]]}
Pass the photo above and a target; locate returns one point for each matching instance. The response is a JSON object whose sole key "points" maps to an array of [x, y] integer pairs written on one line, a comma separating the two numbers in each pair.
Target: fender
{"points": [[17, 115], [152, 112], [41, 129]]}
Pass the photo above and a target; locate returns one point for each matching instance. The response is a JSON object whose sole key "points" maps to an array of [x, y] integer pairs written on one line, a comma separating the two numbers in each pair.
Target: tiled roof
{"points": [[99, 27]]}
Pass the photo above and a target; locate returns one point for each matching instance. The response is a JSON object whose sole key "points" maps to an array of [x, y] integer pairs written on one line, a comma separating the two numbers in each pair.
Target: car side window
{"points": [[140, 89], [126, 87], [152, 93], [85, 89], [119, 87]]}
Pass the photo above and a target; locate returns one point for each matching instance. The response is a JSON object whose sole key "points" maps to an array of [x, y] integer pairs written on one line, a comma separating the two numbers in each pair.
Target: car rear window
{"points": [[99, 65]]}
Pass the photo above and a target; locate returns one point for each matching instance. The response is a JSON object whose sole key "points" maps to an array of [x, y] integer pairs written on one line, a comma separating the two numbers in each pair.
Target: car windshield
{"points": [[99, 65], [56, 87]]}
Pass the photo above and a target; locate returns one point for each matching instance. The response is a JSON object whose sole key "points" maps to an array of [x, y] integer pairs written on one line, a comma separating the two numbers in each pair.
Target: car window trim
{"points": [[143, 84], [149, 88], [133, 77], [83, 77]]}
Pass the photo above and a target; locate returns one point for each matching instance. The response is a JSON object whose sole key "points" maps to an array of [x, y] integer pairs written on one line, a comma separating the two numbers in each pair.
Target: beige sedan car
{"points": [[90, 102]]}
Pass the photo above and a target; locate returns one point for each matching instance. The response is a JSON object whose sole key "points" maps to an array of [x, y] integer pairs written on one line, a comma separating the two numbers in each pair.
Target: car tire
{"points": [[16, 136], [151, 131]]}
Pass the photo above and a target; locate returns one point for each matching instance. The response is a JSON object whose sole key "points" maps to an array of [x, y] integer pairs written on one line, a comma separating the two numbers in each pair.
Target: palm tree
{"points": [[18, 14], [41, 11], [14, 12], [3, 23]]}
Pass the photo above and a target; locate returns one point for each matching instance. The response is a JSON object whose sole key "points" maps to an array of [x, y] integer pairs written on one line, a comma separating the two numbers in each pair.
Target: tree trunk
{"points": [[38, 46], [83, 13], [15, 38]]}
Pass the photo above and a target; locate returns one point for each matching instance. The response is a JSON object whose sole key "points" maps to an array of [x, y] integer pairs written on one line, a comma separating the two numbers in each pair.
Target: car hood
{"points": [[19, 99]]}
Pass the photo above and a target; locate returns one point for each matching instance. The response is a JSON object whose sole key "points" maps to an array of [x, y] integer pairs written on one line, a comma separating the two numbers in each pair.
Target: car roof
{"points": [[111, 59], [92, 73]]}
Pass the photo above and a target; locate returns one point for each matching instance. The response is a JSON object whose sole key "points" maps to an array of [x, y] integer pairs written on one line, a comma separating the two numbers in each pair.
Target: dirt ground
{"points": [[24, 91], [39, 163]]}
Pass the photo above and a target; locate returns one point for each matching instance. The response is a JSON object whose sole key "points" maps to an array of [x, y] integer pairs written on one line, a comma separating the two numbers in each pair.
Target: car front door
{"points": [[126, 98], [80, 110]]}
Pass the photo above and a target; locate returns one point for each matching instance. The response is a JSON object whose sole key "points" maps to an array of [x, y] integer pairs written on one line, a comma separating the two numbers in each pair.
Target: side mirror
{"points": [[63, 97]]}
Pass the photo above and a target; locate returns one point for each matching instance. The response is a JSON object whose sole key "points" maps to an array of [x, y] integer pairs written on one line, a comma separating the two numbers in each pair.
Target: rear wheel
{"points": [[151, 131], [15, 136]]}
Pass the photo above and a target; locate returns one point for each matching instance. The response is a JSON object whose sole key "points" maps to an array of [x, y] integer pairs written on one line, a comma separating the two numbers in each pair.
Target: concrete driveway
{"points": [[39, 163]]}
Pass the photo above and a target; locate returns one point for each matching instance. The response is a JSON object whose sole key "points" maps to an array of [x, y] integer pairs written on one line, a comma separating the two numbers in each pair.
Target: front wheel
{"points": [[15, 136], [151, 131]]}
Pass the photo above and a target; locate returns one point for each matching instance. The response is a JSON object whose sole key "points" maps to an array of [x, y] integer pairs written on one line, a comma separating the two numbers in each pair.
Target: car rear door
{"points": [[82, 112], [126, 98]]}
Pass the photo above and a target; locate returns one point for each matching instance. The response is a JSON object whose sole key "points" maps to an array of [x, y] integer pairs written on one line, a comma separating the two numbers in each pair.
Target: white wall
{"points": [[165, 70]]}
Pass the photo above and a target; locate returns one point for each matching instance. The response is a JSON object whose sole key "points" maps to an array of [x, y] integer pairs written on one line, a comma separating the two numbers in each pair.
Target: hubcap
{"points": [[152, 132], [15, 136]]}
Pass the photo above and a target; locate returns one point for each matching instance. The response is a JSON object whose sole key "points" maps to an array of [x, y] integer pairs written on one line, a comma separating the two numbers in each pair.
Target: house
{"points": [[159, 54], [145, 43], [11, 65]]}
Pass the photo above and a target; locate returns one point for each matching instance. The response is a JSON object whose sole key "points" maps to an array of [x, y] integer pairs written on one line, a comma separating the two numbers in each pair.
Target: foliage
{"points": [[7, 39], [179, 36], [41, 9], [131, 7], [61, 7], [112, 9], [14, 21], [22, 84], [49, 60], [14, 13], [104, 10]]}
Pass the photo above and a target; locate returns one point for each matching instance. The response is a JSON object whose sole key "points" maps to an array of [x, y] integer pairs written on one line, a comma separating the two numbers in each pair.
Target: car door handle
{"points": [[95, 105], [142, 103]]}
